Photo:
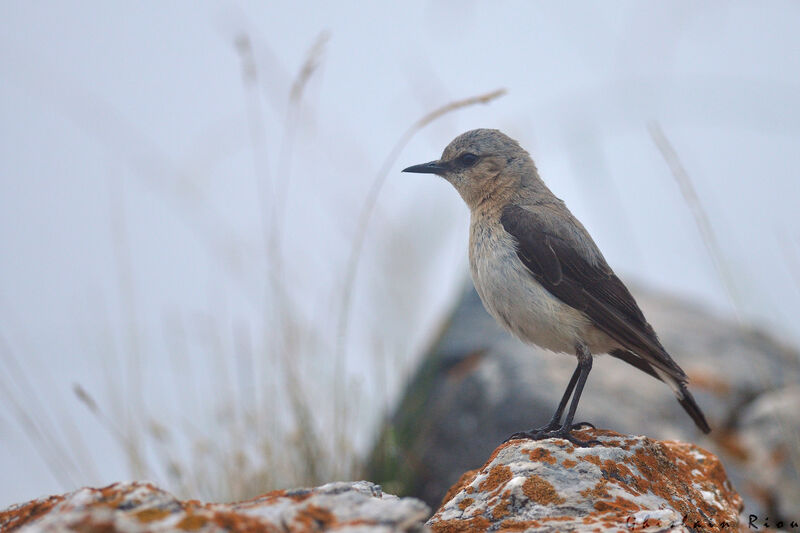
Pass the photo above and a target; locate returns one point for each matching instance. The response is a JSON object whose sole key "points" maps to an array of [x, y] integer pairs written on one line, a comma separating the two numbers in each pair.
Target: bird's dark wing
{"points": [[552, 255]]}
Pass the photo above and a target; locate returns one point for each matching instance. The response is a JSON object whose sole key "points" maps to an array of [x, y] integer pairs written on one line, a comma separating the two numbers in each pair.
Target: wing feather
{"points": [[589, 285]]}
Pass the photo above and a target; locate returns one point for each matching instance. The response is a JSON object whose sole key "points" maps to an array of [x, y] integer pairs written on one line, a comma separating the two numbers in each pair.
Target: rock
{"points": [[625, 483], [770, 432], [478, 385], [141, 507]]}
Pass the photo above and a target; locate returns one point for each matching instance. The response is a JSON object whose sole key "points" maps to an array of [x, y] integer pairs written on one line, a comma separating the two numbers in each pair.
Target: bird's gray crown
{"points": [[482, 142]]}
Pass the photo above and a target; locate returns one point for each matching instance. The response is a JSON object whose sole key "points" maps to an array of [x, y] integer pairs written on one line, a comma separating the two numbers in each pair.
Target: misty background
{"points": [[181, 186]]}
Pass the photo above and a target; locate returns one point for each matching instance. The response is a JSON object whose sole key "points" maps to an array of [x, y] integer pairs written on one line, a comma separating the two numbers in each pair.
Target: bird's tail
{"points": [[686, 400], [683, 395]]}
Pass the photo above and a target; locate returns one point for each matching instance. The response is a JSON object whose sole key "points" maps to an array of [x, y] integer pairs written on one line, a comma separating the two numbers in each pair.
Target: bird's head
{"points": [[482, 164]]}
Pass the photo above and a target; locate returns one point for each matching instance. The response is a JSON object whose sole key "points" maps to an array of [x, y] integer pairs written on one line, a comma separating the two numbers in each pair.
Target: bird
{"points": [[542, 277]]}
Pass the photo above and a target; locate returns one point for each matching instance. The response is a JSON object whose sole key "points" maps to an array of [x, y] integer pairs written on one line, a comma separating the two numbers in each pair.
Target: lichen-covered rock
{"points": [[624, 483], [478, 385], [141, 507]]}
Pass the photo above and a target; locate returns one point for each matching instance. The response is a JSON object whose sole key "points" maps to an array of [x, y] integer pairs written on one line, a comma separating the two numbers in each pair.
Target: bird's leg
{"points": [[576, 382], [555, 422], [585, 366]]}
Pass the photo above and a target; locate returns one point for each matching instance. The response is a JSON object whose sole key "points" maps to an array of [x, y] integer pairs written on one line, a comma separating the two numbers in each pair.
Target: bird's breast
{"points": [[514, 298]]}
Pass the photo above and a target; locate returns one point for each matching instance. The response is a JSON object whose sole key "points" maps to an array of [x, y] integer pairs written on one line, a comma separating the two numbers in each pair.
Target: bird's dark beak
{"points": [[433, 167]]}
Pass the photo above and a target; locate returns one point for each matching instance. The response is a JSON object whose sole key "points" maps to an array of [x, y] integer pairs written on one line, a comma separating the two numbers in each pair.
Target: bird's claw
{"points": [[563, 432], [526, 435]]}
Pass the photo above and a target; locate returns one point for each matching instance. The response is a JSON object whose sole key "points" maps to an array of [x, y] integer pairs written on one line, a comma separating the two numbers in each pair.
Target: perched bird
{"points": [[542, 277]]}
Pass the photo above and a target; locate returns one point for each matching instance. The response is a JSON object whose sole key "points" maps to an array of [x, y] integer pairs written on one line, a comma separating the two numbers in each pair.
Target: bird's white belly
{"points": [[519, 303]]}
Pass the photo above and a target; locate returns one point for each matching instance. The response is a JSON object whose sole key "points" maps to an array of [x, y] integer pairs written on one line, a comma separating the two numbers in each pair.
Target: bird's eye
{"points": [[467, 160]]}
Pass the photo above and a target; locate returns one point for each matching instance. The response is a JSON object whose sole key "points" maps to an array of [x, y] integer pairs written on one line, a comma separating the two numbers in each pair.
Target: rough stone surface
{"points": [[478, 385], [770, 432], [624, 484], [141, 507]]}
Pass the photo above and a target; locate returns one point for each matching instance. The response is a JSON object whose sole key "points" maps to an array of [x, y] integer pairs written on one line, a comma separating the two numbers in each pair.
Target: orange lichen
{"points": [[466, 502], [618, 504], [501, 509], [241, 523], [616, 469], [597, 492], [542, 455], [18, 516], [477, 524], [111, 496], [498, 476], [667, 471], [621, 473], [465, 479], [591, 459], [651, 462], [541, 491], [315, 518], [191, 522], [568, 463], [151, 515], [296, 496]]}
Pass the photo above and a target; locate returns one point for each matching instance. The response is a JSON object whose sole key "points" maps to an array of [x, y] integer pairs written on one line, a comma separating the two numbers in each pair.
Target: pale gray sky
{"points": [[129, 205]]}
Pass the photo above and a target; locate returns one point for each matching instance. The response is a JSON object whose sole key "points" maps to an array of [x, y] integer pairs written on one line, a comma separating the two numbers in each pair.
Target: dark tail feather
{"points": [[685, 397], [691, 407], [634, 360]]}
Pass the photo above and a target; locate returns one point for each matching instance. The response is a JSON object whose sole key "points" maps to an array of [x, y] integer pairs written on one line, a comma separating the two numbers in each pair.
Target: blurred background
{"points": [[213, 274]]}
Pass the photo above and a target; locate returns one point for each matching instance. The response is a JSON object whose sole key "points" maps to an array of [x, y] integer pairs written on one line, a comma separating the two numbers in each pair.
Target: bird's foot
{"points": [[563, 432]]}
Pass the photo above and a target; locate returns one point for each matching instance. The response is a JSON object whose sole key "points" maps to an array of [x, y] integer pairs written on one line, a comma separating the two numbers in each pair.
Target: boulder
{"points": [[626, 483], [478, 385], [769, 436], [142, 507], [623, 483]]}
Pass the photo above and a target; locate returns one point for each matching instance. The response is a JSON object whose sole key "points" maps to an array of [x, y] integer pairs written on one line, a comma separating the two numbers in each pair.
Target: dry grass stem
{"points": [[711, 243], [699, 213]]}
